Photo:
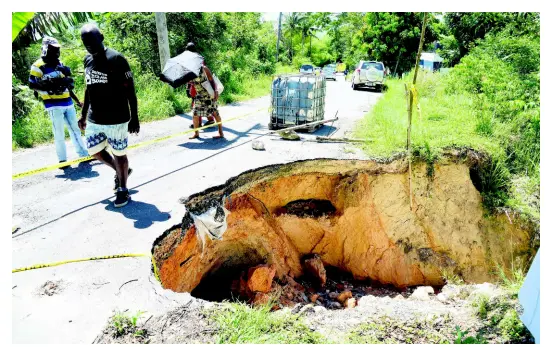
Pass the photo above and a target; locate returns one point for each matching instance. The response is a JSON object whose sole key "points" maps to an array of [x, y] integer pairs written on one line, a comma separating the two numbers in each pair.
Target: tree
{"points": [[44, 23], [29, 27], [291, 26], [393, 38], [19, 21], [465, 28], [308, 29]]}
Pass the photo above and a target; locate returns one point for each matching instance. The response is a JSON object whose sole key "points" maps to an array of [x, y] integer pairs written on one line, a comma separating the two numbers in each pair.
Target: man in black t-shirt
{"points": [[110, 108]]}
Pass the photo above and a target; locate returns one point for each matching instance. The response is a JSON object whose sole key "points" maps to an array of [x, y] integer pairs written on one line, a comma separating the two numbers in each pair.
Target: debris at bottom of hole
{"points": [[258, 145]]}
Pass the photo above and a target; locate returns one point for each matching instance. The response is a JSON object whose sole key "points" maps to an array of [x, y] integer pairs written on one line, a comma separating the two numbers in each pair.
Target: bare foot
{"points": [[218, 137], [195, 136]]}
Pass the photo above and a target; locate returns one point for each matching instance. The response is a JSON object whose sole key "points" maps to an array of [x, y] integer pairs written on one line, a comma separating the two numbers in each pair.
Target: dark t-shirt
{"points": [[106, 81]]}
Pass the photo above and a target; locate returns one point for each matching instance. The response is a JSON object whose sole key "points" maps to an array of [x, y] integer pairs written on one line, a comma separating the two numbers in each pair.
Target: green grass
{"points": [[446, 116], [240, 323], [511, 282], [500, 317], [124, 324], [443, 120], [388, 330]]}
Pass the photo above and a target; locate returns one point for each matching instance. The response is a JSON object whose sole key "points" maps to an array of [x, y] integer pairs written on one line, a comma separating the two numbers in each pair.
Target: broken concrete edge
{"points": [[218, 195]]}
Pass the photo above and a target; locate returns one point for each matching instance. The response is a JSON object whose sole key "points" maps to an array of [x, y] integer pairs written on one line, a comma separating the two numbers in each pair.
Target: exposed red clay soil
{"points": [[348, 214]]}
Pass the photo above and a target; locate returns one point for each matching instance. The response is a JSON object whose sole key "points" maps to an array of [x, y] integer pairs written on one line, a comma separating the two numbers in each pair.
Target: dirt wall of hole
{"points": [[373, 233]]}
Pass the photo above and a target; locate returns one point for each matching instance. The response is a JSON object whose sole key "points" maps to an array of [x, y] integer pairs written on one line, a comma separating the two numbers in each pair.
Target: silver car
{"points": [[369, 74], [307, 69], [329, 72]]}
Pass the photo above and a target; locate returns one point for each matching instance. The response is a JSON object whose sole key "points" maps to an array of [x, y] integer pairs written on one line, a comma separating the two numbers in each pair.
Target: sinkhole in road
{"points": [[309, 231]]}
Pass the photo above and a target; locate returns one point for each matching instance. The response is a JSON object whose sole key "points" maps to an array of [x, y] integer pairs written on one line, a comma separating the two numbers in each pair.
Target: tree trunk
{"points": [[162, 38], [279, 35], [397, 60]]}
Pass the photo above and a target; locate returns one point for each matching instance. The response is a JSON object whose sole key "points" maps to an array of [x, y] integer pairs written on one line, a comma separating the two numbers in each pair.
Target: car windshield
{"points": [[307, 68], [368, 65]]}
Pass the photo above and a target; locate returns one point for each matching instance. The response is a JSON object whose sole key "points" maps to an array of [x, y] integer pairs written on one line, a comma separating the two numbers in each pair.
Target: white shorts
{"points": [[99, 136]]}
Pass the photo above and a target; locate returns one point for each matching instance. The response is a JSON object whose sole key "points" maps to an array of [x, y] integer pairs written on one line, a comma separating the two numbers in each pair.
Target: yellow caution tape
{"points": [[128, 255], [137, 145], [41, 266], [416, 100]]}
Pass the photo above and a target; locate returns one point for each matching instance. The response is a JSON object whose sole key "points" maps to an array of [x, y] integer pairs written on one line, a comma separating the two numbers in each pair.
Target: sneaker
{"points": [[209, 123], [191, 126], [116, 179], [64, 167], [122, 198]]}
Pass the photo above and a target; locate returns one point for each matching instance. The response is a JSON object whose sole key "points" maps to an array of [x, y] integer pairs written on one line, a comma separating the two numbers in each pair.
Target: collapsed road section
{"points": [[286, 221]]}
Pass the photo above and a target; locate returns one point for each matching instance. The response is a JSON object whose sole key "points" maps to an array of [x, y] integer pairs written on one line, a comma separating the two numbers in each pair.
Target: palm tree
{"points": [[28, 27], [308, 29], [291, 26]]}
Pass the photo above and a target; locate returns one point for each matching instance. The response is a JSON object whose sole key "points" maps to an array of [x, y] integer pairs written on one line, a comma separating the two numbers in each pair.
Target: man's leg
{"points": [[75, 132], [57, 121], [105, 158], [118, 139], [196, 124], [216, 115], [122, 170], [96, 144]]}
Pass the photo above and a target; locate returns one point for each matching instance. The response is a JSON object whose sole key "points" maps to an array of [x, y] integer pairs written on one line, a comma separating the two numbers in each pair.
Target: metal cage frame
{"points": [[283, 113]]}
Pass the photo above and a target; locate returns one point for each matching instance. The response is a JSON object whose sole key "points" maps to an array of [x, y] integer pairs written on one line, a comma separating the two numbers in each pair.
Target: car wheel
{"points": [[353, 85]]}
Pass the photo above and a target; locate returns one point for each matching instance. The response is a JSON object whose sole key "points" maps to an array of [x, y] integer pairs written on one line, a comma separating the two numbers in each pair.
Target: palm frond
{"points": [[47, 23], [19, 21]]}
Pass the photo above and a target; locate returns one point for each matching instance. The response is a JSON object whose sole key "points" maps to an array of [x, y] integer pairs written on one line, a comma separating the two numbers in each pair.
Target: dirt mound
{"points": [[354, 214]]}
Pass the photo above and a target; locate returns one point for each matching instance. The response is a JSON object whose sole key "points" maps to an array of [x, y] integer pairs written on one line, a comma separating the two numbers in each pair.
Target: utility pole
{"points": [[162, 37], [279, 35], [410, 95]]}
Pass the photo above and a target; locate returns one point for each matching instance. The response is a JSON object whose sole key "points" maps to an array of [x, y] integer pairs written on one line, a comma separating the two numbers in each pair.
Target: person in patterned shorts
{"points": [[204, 104]]}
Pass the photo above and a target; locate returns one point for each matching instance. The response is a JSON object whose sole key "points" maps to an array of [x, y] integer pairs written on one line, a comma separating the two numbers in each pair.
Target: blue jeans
{"points": [[58, 117]]}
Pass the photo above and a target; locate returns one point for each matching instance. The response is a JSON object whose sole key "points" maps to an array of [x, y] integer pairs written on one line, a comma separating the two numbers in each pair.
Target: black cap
{"points": [[191, 47]]}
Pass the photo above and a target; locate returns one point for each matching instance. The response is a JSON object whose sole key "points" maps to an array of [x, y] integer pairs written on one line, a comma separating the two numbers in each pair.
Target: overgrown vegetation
{"points": [[240, 323], [124, 324], [392, 331], [461, 337], [501, 318], [488, 102], [238, 47]]}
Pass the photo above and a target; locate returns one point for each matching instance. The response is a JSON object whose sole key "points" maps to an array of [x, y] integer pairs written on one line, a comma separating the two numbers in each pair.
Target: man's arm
{"points": [[211, 80], [130, 92], [82, 123], [35, 81], [73, 96]]}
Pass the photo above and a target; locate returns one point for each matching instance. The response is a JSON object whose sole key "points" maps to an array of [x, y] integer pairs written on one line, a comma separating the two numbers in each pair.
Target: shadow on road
{"points": [[134, 211], [83, 170], [215, 144], [203, 120], [142, 213]]}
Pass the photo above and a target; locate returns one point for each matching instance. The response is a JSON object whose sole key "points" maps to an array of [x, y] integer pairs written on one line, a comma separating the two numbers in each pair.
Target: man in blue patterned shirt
{"points": [[51, 80]]}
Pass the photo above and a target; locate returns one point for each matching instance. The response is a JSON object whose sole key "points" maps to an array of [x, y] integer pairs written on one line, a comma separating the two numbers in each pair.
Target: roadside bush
{"points": [[511, 327], [490, 102], [237, 47]]}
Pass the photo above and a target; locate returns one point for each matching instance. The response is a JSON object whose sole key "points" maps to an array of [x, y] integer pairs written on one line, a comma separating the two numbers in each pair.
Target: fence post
{"points": [[409, 94]]}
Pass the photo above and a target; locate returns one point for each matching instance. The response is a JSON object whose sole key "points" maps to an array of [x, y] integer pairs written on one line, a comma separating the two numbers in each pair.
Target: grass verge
{"points": [[240, 323]]}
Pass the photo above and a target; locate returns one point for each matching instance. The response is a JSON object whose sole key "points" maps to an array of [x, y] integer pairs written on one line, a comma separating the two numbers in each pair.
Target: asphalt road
{"points": [[69, 214]]}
